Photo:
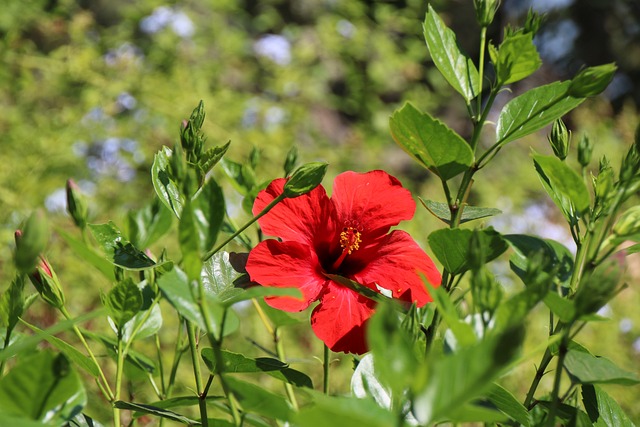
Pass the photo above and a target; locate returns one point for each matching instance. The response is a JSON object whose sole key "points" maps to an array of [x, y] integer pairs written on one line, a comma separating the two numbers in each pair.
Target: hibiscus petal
{"points": [[340, 319], [286, 265], [375, 201], [303, 219], [394, 264]]}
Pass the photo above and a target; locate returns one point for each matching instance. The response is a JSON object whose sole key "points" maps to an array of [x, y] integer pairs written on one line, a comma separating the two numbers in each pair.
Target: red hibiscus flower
{"points": [[347, 235]]}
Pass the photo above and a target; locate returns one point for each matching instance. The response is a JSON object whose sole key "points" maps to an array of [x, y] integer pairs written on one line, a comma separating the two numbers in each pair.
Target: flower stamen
{"points": [[350, 240]]}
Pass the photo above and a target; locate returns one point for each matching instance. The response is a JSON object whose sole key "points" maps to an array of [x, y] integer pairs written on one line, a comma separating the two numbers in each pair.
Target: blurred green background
{"points": [[91, 89]]}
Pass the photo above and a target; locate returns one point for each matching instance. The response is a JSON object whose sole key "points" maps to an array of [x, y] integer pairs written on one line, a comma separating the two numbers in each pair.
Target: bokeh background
{"points": [[91, 89]]}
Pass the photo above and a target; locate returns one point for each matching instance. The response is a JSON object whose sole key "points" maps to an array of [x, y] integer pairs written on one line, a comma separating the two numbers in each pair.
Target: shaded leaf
{"points": [[158, 412], [469, 213], [527, 246], [258, 400], [123, 301], [452, 247], [430, 142], [343, 411], [190, 242], [509, 405], [457, 68], [148, 224], [42, 387], [89, 255], [209, 211], [588, 369]]}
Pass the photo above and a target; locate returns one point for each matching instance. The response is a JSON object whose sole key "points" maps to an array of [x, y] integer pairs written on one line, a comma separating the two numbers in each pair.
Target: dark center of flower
{"points": [[349, 241]]}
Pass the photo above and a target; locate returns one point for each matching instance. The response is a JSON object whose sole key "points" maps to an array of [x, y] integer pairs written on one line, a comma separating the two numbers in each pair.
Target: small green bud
{"points": [[630, 164], [533, 22], [560, 139], [585, 150], [486, 291], [46, 282], [304, 179], [603, 183], [31, 241], [76, 204], [629, 222], [591, 81], [485, 11], [254, 157], [291, 160]]}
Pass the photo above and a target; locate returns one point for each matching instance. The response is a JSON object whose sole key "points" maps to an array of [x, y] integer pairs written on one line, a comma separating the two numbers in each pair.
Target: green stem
{"points": [[119, 372], [327, 354], [195, 361], [562, 352], [280, 352], [163, 387], [270, 206], [177, 355], [103, 383], [483, 44], [542, 368]]}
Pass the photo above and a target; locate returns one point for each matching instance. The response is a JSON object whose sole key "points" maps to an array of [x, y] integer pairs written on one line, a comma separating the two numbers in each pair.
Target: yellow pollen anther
{"points": [[350, 239]]}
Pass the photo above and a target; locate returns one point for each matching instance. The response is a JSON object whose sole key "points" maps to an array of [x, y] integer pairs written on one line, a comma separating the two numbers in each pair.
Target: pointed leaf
{"points": [[452, 247], [603, 411], [123, 302], [209, 211], [589, 369], [166, 188], [469, 213], [258, 400], [118, 249], [343, 411], [430, 142], [42, 387], [564, 186], [457, 68], [526, 246], [533, 110], [89, 255], [517, 58], [158, 412], [148, 224], [191, 241], [509, 405], [212, 156]]}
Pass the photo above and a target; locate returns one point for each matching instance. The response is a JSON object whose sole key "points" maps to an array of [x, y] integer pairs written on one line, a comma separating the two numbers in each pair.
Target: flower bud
{"points": [[485, 11], [76, 204], [486, 292], [603, 183], [304, 179], [629, 223], [291, 160], [31, 241], [560, 139], [591, 81], [46, 282], [585, 149], [630, 164], [597, 288]]}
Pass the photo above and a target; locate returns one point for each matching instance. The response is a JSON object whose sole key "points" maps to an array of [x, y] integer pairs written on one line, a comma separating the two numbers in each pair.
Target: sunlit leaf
{"points": [[166, 188], [258, 400], [430, 142], [517, 58], [533, 110], [118, 249], [457, 68], [588, 369], [603, 410]]}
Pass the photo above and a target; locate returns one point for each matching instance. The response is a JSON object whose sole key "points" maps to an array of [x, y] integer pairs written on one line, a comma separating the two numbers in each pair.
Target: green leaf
{"points": [[603, 411], [237, 363], [209, 210], [456, 379], [42, 387], [509, 405], [462, 331], [242, 175], [144, 324], [123, 302], [89, 255], [133, 358], [258, 400], [469, 213], [158, 412], [526, 246], [304, 179], [564, 308], [430, 142], [166, 188], [392, 348], [533, 110], [343, 411], [588, 369], [212, 156], [517, 58], [278, 317], [190, 242], [118, 249], [451, 247], [148, 224], [12, 303], [180, 292], [476, 413], [83, 420], [564, 186], [71, 352], [457, 68]]}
